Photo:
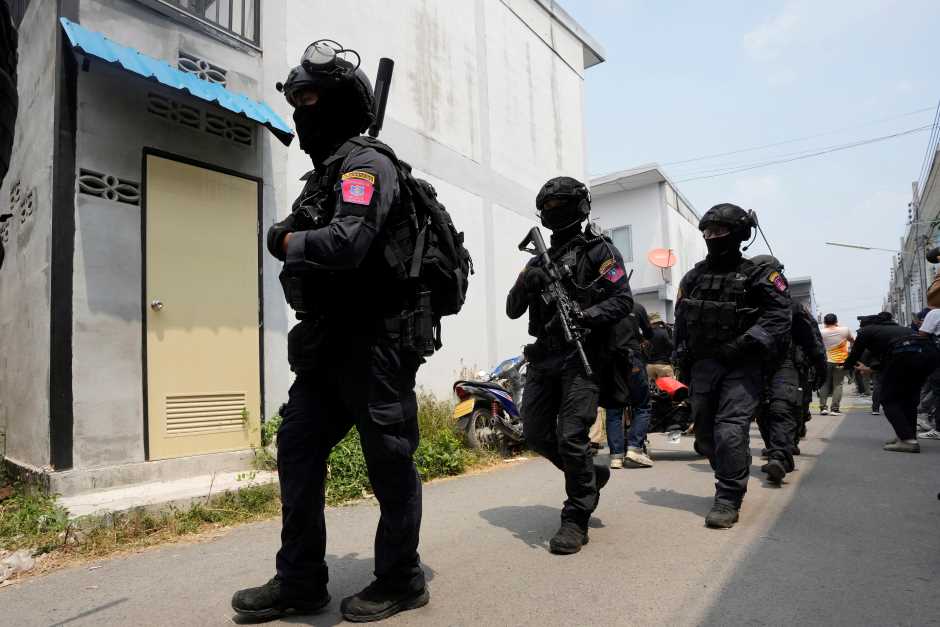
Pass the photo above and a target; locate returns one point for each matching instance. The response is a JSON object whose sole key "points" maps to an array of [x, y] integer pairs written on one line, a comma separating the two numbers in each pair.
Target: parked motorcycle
{"points": [[671, 413], [488, 413]]}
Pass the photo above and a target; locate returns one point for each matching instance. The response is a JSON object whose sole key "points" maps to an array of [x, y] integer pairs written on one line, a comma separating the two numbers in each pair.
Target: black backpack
{"points": [[437, 262]]}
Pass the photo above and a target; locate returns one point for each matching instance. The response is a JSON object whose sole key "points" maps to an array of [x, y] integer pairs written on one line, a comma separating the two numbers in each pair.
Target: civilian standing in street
{"points": [[930, 326], [837, 340], [659, 362], [907, 359]]}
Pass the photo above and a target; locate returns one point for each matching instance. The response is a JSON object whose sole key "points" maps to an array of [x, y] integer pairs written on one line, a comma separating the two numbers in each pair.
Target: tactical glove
{"points": [[276, 235], [535, 279]]}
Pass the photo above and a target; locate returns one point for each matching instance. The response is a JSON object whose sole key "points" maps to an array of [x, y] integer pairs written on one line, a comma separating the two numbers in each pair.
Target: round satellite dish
{"points": [[662, 257]]}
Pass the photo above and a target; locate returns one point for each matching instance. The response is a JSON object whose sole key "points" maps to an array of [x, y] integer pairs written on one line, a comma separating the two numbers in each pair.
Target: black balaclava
{"points": [[324, 126], [724, 248]]}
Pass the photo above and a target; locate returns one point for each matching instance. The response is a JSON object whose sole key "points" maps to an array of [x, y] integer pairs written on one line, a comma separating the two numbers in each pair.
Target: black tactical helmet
{"points": [[322, 68], [768, 260], [574, 208], [738, 221]]}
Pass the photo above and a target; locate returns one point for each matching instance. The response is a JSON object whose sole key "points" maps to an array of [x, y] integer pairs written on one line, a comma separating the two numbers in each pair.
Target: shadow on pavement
{"points": [[533, 524], [672, 455], [676, 500], [856, 545], [100, 608]]}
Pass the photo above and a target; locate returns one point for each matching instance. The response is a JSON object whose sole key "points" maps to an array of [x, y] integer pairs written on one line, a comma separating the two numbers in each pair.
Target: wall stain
{"points": [[427, 77]]}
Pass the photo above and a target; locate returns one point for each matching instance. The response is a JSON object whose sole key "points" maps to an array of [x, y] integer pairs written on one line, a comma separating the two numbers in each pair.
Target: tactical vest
{"points": [[715, 311], [318, 292]]}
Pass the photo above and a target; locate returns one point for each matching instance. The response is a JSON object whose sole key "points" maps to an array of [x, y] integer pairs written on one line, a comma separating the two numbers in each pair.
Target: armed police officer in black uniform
{"points": [[779, 419], [352, 369], [561, 394], [732, 318]]}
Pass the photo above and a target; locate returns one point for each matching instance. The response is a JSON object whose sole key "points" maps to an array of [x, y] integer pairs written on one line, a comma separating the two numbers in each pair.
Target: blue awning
{"points": [[97, 45]]}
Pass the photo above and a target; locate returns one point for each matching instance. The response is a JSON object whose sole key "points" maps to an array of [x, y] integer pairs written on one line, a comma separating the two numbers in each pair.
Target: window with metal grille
{"points": [[236, 17]]}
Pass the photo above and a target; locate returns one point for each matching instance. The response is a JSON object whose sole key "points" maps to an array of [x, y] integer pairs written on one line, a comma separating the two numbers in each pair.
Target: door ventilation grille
{"points": [[189, 414]]}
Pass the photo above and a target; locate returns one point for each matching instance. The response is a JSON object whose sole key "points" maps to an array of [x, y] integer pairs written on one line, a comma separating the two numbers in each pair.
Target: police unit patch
{"points": [[359, 174], [358, 191], [615, 274], [778, 281], [607, 265]]}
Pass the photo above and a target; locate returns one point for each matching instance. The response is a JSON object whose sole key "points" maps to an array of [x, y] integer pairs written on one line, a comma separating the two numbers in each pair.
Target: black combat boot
{"points": [[569, 539], [775, 471], [378, 601], [721, 516], [275, 599]]}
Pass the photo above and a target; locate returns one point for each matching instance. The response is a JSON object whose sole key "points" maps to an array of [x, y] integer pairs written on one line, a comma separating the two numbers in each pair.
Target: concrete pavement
{"points": [[851, 539]]}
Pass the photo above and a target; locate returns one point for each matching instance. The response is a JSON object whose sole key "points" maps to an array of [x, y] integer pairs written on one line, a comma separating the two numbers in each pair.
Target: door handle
{"points": [[156, 305]]}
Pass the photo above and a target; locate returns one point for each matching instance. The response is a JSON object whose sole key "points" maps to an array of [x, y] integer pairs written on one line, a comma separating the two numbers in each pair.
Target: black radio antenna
{"points": [[383, 83]]}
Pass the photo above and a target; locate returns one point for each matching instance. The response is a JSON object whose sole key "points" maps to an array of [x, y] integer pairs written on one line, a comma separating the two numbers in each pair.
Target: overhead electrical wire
{"points": [[798, 139], [928, 156], [816, 153]]}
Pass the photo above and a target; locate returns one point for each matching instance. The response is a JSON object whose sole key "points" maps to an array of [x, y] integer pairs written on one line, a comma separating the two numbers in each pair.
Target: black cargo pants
{"points": [[558, 408], [904, 372], [371, 387], [779, 420], [724, 400]]}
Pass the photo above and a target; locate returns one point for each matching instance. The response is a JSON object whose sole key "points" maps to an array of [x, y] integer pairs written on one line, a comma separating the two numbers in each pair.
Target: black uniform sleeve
{"points": [[642, 321], [680, 330], [858, 347], [807, 336], [771, 330], [616, 299], [366, 191], [517, 302]]}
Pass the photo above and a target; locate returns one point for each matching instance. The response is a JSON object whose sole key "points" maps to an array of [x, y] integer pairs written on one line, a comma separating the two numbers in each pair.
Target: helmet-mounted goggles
{"points": [[326, 56], [323, 58]]}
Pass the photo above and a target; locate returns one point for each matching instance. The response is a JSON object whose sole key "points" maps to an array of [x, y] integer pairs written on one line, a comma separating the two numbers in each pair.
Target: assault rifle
{"points": [[568, 310]]}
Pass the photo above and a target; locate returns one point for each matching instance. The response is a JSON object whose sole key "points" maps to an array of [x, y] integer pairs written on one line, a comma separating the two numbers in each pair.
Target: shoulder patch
{"points": [[778, 281], [615, 273], [357, 191], [607, 265], [359, 174]]}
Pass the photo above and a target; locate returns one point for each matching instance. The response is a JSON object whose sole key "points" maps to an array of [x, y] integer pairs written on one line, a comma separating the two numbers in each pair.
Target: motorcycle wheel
{"points": [[481, 433]]}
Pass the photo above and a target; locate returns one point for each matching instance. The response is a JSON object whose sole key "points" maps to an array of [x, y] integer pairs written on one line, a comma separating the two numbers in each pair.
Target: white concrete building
{"points": [[643, 210], [134, 350]]}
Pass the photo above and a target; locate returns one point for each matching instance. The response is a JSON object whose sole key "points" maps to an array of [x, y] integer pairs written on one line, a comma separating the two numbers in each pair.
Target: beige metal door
{"points": [[203, 372]]}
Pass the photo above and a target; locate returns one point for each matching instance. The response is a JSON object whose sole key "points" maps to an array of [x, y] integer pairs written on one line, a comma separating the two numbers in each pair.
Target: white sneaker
{"points": [[616, 462], [876, 413], [823, 412], [933, 434], [636, 458], [835, 412]]}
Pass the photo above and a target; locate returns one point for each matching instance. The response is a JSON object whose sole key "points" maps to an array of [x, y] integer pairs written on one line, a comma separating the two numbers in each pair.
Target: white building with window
{"points": [[643, 210]]}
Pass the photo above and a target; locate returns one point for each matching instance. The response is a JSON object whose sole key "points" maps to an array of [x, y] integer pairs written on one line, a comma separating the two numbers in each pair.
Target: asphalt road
{"points": [[853, 538]]}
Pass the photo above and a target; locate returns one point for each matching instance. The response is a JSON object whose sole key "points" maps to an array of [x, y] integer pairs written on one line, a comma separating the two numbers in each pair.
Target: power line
{"points": [[799, 139], [830, 149], [928, 158]]}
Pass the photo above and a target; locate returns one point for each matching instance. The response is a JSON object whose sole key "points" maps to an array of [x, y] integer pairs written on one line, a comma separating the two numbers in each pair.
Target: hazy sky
{"points": [[684, 79]]}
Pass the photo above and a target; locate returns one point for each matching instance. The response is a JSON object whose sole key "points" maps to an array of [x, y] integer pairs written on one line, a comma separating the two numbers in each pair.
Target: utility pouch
{"points": [[295, 294]]}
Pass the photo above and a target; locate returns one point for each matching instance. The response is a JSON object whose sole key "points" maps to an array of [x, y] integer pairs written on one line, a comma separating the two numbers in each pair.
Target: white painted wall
{"points": [[641, 209], [486, 103], [655, 224]]}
